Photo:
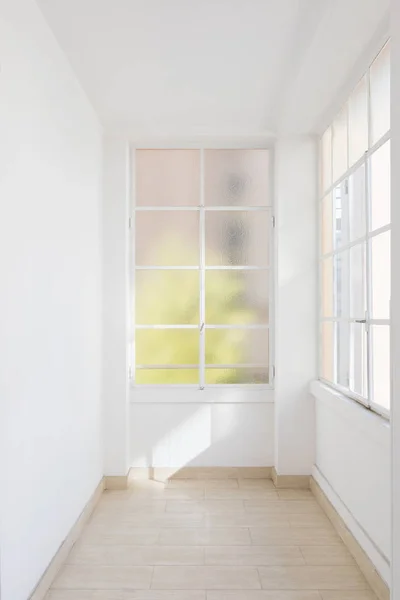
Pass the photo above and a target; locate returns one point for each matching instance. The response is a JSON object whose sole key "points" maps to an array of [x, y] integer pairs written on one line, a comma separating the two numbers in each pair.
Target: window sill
{"points": [[373, 423], [210, 395]]}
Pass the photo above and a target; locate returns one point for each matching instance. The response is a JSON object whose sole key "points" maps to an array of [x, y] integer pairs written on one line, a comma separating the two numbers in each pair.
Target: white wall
{"points": [[353, 468], [296, 303], [213, 428], [116, 328], [50, 301], [395, 299]]}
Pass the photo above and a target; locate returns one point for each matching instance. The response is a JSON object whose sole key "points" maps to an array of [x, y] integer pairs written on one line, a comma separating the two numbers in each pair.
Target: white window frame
{"points": [[365, 241], [202, 327]]}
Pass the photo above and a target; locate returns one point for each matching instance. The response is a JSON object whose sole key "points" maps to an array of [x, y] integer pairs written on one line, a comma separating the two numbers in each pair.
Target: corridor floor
{"points": [[209, 540]]}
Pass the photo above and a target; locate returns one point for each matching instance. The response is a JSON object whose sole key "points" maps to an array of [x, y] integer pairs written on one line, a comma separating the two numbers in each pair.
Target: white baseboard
{"points": [[61, 555], [290, 481], [374, 565]]}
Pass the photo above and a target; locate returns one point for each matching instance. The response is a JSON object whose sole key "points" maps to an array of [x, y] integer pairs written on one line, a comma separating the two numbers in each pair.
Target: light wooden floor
{"points": [[209, 540]]}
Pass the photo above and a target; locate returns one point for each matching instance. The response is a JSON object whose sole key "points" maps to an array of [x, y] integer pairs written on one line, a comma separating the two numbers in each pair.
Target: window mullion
{"points": [[202, 249], [368, 273]]}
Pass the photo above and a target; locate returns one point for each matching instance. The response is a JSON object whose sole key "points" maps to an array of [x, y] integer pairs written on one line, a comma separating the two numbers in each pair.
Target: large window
{"points": [[355, 242], [202, 256]]}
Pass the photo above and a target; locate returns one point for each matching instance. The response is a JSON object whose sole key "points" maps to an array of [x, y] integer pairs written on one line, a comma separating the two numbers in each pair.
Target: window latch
{"points": [[202, 327], [360, 321]]}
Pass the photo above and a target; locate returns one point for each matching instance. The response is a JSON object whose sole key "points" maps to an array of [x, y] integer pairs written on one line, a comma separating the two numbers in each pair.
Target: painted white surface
{"points": [[296, 306], [395, 299], [333, 61], [50, 301], [229, 67], [115, 366], [353, 458], [178, 67], [177, 435], [212, 395]]}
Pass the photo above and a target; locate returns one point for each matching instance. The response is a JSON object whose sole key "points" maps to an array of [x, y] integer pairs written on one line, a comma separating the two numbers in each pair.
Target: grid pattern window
{"points": [[202, 258], [355, 242]]}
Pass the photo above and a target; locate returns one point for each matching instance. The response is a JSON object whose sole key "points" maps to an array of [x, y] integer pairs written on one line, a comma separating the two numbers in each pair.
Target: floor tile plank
{"points": [[104, 577], [253, 555], [205, 578], [312, 578]]}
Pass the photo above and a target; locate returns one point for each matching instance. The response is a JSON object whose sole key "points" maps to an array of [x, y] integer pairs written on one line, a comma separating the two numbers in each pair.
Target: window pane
{"points": [[341, 214], [167, 346], [339, 144], [327, 351], [380, 187], [237, 346], [238, 376], [342, 353], [380, 94], [381, 365], [342, 284], [237, 238], [327, 287], [326, 159], [327, 225], [358, 281], [157, 300], [380, 250], [357, 205], [237, 297], [167, 238], [167, 177], [236, 178], [166, 376], [358, 122], [358, 359]]}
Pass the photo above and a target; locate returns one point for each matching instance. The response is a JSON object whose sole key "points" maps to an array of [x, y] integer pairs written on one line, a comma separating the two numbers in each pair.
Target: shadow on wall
{"points": [[178, 435]]}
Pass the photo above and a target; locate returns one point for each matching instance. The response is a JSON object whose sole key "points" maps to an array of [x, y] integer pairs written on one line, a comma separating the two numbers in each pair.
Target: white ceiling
{"points": [[213, 67]]}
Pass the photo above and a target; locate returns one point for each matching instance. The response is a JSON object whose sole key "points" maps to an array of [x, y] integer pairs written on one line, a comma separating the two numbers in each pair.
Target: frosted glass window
{"points": [[327, 287], [380, 251], [201, 236], [237, 238], [327, 225], [237, 346], [157, 301], [327, 335], [326, 160], [167, 238], [237, 178], [339, 144], [380, 94], [381, 365], [167, 376], [357, 205], [237, 297], [167, 177], [237, 375], [380, 187], [358, 122], [167, 347]]}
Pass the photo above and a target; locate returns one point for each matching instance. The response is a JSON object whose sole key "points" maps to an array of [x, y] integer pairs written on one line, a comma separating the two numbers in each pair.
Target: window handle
{"points": [[202, 327], [360, 321]]}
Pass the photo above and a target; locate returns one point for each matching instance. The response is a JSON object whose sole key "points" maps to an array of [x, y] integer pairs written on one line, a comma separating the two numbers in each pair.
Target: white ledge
{"points": [[182, 395]]}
